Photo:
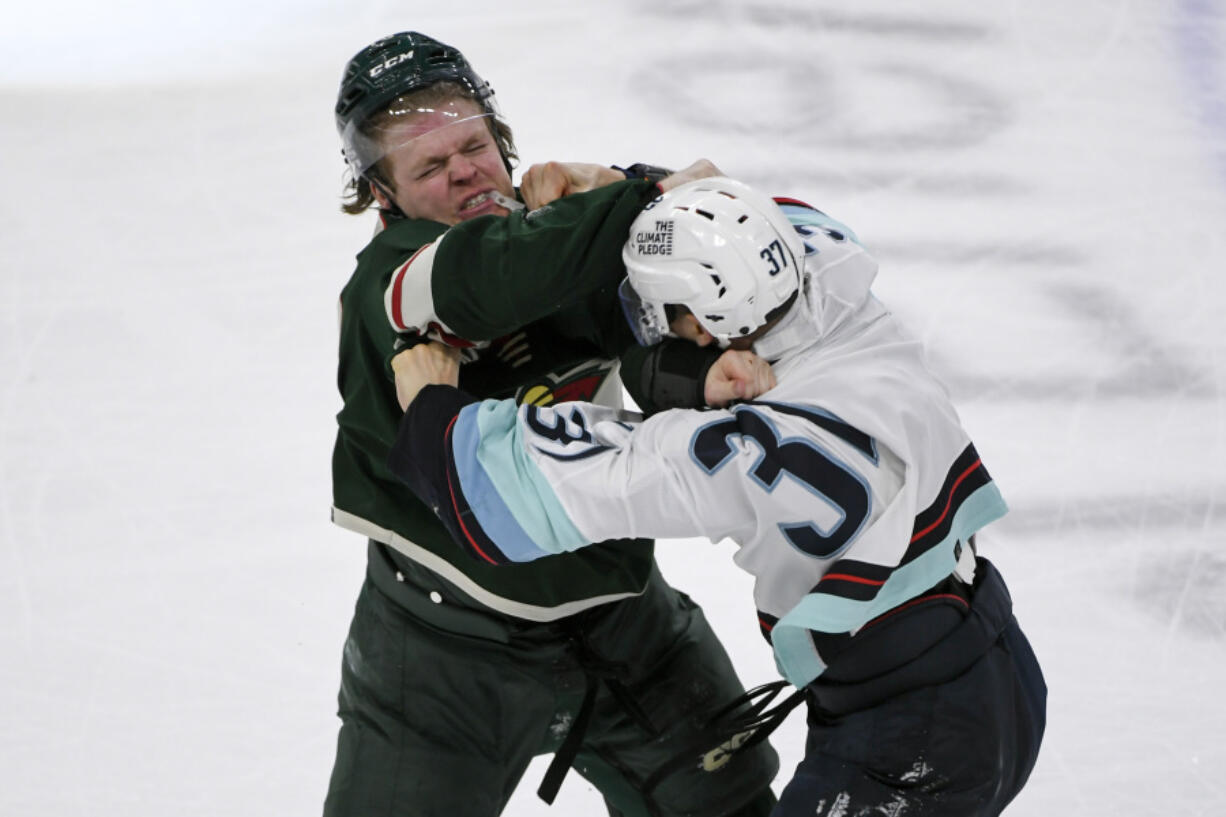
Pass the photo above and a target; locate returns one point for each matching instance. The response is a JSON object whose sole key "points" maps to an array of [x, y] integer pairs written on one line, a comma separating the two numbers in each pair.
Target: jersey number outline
{"points": [[557, 432], [817, 470]]}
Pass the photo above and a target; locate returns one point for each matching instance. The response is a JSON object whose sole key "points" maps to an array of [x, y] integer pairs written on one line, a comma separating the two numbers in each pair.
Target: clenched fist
{"points": [[737, 375], [553, 180], [423, 365]]}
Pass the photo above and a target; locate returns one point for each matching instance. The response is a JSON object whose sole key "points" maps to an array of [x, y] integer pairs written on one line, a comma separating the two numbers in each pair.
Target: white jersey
{"points": [[849, 488]]}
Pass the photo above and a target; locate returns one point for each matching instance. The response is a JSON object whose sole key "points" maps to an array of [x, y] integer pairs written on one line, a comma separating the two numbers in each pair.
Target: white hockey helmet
{"points": [[716, 246]]}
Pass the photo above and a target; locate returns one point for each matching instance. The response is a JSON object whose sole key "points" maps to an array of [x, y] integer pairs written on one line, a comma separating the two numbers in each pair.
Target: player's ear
{"points": [[381, 197]]}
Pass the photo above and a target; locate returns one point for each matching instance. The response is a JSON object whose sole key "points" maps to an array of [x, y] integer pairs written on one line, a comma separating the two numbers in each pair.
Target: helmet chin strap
{"points": [[394, 209]]}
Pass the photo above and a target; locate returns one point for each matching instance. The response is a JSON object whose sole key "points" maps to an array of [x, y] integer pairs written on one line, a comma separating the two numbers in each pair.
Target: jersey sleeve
{"points": [[516, 483], [486, 277]]}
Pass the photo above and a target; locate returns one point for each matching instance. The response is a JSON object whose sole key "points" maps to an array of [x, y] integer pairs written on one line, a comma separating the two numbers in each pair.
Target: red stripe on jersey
{"points": [[949, 500], [455, 506], [397, 287], [913, 602], [788, 200], [846, 577]]}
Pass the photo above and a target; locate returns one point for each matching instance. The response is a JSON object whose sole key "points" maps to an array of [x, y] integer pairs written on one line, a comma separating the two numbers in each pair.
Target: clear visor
{"points": [[402, 126], [647, 319]]}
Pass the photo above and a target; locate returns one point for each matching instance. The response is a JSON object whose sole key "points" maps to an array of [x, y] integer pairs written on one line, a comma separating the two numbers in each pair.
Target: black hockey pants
{"points": [[441, 718], [960, 742]]}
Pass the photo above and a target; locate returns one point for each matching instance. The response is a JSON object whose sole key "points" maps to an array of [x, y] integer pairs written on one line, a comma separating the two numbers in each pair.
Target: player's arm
{"points": [[545, 183], [678, 374], [423, 453], [492, 275], [516, 483]]}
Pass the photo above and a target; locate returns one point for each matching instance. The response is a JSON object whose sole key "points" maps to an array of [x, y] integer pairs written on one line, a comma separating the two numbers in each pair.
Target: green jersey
{"points": [[537, 293]]}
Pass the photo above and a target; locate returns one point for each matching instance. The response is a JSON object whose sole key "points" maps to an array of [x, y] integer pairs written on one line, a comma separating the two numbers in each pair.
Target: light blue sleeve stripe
{"points": [[795, 656], [491, 512], [507, 493]]}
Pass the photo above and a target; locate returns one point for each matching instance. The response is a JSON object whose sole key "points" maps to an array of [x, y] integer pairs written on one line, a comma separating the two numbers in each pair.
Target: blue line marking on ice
{"points": [[1200, 58]]}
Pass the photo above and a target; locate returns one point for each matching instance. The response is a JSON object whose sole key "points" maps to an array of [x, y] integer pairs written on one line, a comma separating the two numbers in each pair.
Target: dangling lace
{"points": [[741, 723]]}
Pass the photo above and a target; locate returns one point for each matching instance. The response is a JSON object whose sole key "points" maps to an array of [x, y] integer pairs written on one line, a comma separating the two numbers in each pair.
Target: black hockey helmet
{"points": [[390, 68]]}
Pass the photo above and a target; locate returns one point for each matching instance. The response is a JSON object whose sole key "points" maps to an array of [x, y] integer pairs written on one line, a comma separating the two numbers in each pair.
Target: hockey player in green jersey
{"points": [[455, 674]]}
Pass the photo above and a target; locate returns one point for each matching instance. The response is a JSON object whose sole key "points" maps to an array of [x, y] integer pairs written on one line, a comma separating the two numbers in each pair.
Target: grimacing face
{"points": [[444, 170]]}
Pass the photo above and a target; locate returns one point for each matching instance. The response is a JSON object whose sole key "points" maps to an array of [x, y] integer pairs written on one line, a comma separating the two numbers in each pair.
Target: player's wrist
{"points": [[641, 170]]}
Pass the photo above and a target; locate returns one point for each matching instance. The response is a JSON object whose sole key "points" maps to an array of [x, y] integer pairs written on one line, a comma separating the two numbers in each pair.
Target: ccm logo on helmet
{"points": [[655, 242], [390, 62]]}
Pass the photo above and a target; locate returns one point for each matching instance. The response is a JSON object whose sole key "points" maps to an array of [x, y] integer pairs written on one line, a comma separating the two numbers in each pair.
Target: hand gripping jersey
{"points": [[543, 291], [850, 488]]}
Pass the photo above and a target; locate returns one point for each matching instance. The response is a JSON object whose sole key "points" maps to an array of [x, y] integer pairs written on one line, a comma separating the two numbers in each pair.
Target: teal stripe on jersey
{"points": [[795, 654], [513, 501], [494, 517]]}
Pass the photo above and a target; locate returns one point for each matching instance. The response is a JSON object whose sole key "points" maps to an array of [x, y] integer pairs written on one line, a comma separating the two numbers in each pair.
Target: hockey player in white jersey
{"points": [[851, 488]]}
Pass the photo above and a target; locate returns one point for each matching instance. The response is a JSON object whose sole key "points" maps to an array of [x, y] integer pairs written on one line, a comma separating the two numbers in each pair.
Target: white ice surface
{"points": [[1043, 182]]}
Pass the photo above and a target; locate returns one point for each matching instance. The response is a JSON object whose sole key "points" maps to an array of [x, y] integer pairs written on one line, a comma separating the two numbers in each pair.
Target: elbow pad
{"points": [[674, 374]]}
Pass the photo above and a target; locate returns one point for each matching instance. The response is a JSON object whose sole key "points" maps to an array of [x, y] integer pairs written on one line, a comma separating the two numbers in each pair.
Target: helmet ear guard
{"points": [[716, 246]]}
